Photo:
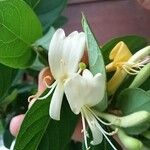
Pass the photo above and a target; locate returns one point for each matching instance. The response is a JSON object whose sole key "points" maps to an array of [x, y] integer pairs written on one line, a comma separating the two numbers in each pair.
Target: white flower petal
{"points": [[87, 74], [74, 95], [84, 90], [74, 46], [65, 53], [56, 102], [55, 53]]}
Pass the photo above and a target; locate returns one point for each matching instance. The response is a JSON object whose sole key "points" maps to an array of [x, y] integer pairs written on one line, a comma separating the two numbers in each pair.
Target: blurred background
{"points": [[110, 18]]}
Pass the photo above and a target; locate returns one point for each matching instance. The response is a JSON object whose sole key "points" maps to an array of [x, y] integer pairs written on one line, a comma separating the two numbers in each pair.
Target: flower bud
{"points": [[141, 77], [45, 79], [127, 121], [15, 124], [130, 143], [141, 54]]}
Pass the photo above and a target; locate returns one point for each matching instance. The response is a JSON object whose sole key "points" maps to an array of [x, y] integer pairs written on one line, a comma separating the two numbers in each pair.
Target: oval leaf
{"points": [[48, 11], [133, 100], [19, 28]]}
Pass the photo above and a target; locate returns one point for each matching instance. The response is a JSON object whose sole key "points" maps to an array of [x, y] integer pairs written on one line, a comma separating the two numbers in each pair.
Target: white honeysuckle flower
{"points": [[84, 92], [64, 56]]}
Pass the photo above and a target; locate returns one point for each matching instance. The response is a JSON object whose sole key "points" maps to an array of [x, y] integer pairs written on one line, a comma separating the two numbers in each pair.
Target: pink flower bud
{"points": [[15, 124]]}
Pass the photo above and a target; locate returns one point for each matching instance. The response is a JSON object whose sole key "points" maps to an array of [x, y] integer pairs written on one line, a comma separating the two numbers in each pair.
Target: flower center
{"points": [[63, 78]]}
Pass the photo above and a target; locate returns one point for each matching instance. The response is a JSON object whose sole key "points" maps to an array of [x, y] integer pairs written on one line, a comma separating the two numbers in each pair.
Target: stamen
{"points": [[101, 129], [90, 115], [84, 131], [94, 113], [132, 68], [129, 70], [51, 90], [111, 133]]}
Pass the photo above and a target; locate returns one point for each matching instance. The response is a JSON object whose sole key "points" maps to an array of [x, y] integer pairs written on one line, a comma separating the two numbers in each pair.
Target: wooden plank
{"points": [[110, 19]]}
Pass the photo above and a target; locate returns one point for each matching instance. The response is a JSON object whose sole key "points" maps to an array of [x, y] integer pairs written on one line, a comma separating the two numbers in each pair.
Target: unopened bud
{"points": [[129, 142], [127, 121], [141, 54], [141, 77]]}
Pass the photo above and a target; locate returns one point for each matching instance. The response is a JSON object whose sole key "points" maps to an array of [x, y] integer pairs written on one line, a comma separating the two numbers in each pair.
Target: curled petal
{"points": [[44, 79], [119, 54]]}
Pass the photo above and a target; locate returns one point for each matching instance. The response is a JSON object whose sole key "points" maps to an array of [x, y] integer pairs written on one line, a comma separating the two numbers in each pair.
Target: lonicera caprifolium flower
{"points": [[123, 63], [64, 56]]}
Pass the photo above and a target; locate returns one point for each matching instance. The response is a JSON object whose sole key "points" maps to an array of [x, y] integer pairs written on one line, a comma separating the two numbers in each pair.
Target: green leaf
{"points": [[145, 85], [7, 138], [148, 92], [7, 77], [133, 42], [132, 100], [45, 40], [96, 62], [73, 145], [60, 22], [49, 11], [39, 132], [136, 130], [32, 3], [19, 28], [9, 99]]}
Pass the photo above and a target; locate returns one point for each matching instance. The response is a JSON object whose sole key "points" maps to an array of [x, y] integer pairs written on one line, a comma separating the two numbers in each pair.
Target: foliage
{"points": [[26, 29]]}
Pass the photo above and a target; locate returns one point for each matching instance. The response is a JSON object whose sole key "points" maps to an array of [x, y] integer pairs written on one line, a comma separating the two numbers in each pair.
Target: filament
{"points": [[84, 131], [49, 93]]}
